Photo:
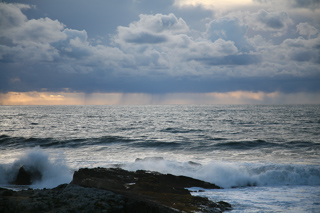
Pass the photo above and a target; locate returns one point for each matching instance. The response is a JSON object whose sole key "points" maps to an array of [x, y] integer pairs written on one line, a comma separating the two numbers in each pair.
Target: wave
{"points": [[157, 144], [180, 130], [223, 174], [302, 144], [257, 144], [244, 145], [21, 142], [232, 174], [51, 173]]}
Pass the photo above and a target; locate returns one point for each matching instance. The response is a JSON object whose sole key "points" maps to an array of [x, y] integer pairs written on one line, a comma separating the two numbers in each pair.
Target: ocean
{"points": [[266, 157]]}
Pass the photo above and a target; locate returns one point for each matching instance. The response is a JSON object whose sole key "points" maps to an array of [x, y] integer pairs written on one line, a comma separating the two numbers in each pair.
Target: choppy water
{"points": [[271, 154]]}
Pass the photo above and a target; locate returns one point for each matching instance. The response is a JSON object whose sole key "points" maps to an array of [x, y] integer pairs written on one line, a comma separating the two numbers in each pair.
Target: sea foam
{"points": [[234, 174], [54, 172]]}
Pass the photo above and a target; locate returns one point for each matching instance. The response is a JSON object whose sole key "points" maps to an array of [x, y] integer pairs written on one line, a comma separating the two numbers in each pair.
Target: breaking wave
{"points": [[223, 174], [52, 173], [229, 175]]}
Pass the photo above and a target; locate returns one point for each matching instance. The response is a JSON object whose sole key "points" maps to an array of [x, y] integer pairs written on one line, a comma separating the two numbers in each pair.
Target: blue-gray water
{"points": [[271, 154]]}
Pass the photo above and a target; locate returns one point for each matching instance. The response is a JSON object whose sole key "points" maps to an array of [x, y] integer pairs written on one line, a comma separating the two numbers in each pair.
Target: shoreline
{"points": [[114, 190]]}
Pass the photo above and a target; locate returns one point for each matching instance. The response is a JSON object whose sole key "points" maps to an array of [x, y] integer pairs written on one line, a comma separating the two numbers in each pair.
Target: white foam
{"points": [[267, 199], [54, 172], [234, 174]]}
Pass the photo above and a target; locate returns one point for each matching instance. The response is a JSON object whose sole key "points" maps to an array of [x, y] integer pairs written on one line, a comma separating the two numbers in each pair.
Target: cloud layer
{"points": [[170, 47]]}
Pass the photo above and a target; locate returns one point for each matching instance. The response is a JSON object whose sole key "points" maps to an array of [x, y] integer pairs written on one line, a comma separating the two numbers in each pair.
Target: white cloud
{"points": [[17, 28], [46, 40], [27, 40], [169, 48], [42, 30], [11, 16], [151, 29], [306, 30], [213, 4]]}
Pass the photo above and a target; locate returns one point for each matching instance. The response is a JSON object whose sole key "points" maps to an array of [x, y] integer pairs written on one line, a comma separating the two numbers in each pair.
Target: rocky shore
{"points": [[114, 190]]}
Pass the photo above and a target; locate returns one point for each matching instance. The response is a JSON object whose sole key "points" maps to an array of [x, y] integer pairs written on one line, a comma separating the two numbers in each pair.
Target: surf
{"points": [[50, 173]]}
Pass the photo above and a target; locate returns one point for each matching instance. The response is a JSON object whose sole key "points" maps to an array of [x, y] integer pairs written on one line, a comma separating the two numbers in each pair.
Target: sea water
{"points": [[266, 157]]}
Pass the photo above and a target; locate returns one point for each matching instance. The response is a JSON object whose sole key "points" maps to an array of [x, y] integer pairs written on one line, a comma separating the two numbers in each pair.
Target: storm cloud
{"points": [[139, 47]]}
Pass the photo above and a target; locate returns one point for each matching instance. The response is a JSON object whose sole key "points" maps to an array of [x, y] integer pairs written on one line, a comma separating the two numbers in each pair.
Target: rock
{"points": [[27, 176], [114, 190], [74, 198], [23, 177], [191, 163], [64, 198], [164, 189]]}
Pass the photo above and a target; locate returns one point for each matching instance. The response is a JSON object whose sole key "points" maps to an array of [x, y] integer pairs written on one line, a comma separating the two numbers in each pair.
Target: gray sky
{"points": [[160, 47]]}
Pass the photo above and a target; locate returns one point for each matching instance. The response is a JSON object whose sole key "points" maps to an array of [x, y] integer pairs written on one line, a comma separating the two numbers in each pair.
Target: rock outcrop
{"points": [[114, 190], [153, 187], [64, 198], [27, 176]]}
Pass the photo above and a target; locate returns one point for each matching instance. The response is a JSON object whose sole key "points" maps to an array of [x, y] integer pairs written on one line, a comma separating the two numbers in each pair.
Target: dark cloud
{"points": [[311, 4], [301, 56], [230, 29], [147, 6], [270, 23], [272, 20], [100, 81], [243, 59], [144, 37], [153, 52], [303, 50], [96, 17]]}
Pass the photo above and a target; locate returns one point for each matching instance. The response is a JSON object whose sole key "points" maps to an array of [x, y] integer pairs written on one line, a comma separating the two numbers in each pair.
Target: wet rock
{"points": [[191, 163], [74, 198], [164, 189], [23, 177], [114, 190], [27, 176], [64, 198]]}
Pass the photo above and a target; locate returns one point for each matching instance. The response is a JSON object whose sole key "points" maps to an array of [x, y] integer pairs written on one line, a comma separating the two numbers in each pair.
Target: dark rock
{"points": [[151, 187], [65, 198], [191, 163], [114, 190], [74, 198], [6, 192], [23, 177], [27, 176], [224, 206]]}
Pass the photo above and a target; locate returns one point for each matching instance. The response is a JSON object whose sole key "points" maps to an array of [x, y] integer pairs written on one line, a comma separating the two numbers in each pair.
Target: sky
{"points": [[159, 52]]}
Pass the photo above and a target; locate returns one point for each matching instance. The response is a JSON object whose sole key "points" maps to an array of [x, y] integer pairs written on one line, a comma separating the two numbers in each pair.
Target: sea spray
{"points": [[235, 174], [223, 174], [53, 172]]}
